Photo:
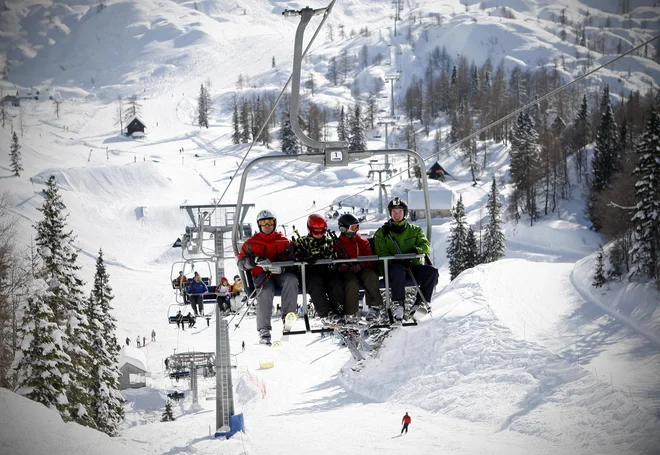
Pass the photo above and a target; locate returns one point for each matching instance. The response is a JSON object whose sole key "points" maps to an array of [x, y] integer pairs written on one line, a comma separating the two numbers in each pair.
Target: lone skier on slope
{"points": [[405, 421]]}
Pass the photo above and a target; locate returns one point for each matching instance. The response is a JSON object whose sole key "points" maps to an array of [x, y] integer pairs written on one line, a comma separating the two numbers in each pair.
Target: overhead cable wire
{"points": [[272, 111], [499, 121]]}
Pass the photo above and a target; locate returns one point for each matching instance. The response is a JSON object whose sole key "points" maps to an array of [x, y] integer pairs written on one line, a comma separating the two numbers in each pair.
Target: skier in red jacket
{"points": [[350, 245], [405, 421]]}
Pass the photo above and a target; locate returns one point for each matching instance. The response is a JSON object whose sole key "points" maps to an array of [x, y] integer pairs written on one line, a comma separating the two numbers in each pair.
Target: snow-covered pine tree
{"points": [[582, 126], [599, 273], [457, 240], [244, 120], [59, 265], [342, 133], [357, 139], [606, 160], [106, 406], [15, 156], [525, 162], [288, 137], [41, 365], [493, 241], [202, 107], [471, 250], [646, 243], [236, 128], [168, 415]]}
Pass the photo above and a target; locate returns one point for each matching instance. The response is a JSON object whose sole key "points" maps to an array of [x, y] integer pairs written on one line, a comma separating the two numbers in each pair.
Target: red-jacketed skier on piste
{"points": [[405, 421]]}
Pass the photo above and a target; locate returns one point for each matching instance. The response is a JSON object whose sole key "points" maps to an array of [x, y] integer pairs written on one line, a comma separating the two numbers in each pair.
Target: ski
{"points": [[289, 321]]}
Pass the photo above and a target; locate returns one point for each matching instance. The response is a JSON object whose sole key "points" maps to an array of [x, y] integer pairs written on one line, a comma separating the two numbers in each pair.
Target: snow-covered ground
{"points": [[520, 356]]}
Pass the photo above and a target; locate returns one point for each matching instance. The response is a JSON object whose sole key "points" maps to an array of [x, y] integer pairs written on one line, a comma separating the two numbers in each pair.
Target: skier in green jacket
{"points": [[410, 239]]}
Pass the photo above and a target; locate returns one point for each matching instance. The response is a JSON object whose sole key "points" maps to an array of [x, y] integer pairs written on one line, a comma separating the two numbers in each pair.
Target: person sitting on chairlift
{"points": [[196, 291], [266, 246], [350, 245], [323, 284], [397, 234], [223, 292]]}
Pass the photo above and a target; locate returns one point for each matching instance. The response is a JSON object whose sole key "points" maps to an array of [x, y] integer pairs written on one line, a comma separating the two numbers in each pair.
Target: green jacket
{"points": [[411, 240]]}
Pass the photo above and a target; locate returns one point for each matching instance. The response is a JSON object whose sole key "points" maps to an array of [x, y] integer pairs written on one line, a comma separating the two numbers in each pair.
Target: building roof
{"points": [[139, 120], [134, 356]]}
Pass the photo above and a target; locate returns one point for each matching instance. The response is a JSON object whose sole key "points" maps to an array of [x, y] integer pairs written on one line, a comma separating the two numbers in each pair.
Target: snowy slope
{"points": [[519, 357]]}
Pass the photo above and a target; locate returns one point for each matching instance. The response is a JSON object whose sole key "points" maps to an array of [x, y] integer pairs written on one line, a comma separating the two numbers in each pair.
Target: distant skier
{"points": [[153, 335], [405, 421], [243, 346]]}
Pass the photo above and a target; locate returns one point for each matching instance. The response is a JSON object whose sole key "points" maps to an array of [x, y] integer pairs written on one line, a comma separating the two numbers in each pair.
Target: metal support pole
{"points": [[224, 390]]}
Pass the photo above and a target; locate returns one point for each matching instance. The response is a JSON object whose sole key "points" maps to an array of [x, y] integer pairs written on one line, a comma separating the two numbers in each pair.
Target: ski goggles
{"points": [[351, 228], [266, 222], [315, 231]]}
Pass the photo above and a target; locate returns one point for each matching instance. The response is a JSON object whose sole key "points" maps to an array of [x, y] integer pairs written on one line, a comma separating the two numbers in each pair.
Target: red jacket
{"points": [[406, 419], [355, 247], [274, 246]]}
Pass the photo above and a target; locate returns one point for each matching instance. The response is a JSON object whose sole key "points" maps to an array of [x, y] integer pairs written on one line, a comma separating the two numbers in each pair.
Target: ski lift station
{"points": [[441, 200]]}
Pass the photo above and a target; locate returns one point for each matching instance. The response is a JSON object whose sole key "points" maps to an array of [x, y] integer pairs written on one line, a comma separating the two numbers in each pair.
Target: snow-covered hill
{"points": [[520, 356]]}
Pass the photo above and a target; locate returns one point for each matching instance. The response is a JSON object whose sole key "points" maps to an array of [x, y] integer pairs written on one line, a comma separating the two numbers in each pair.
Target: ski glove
{"points": [[355, 268]]}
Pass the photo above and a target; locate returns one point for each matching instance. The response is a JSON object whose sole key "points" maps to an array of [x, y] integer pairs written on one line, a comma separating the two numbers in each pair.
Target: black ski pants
{"points": [[426, 276], [351, 282], [405, 428], [325, 289], [197, 303]]}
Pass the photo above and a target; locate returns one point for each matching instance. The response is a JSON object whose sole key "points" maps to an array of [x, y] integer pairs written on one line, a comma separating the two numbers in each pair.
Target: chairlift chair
{"points": [[331, 153]]}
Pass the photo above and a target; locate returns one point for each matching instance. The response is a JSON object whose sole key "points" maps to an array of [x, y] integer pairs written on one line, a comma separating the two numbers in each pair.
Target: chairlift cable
{"points": [[327, 12], [501, 120]]}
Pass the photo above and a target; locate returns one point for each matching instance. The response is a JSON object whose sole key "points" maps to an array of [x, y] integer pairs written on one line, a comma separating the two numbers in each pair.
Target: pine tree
{"points": [[15, 156], [203, 107], [582, 137], [59, 266], [244, 120], [41, 366], [606, 161], [106, 405], [471, 250], [236, 128], [288, 137], [525, 163], [646, 217], [599, 274], [457, 240], [493, 241], [342, 134], [168, 415], [357, 139]]}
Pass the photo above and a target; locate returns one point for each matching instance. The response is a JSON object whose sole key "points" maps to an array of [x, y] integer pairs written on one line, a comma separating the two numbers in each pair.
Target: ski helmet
{"points": [[348, 225], [316, 224], [266, 215], [398, 203], [237, 277]]}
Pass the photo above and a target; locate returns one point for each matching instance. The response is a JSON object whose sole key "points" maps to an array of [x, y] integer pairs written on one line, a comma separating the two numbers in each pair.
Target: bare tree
{"points": [[119, 114]]}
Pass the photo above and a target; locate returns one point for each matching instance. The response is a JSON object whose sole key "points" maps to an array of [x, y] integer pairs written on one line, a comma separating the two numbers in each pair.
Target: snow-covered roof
{"points": [[134, 356], [440, 199]]}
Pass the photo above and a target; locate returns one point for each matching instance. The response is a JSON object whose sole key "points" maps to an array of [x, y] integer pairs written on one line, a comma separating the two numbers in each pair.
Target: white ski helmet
{"points": [[266, 215]]}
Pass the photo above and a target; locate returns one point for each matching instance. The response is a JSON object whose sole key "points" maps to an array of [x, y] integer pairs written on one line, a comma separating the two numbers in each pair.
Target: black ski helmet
{"points": [[398, 203], [345, 222]]}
